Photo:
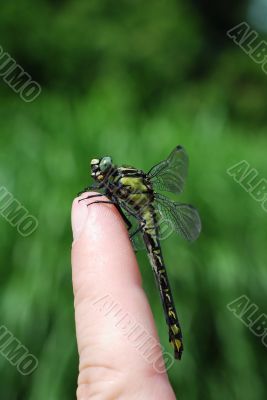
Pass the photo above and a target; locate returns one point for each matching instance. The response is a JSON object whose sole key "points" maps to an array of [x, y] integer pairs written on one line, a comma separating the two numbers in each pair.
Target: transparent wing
{"points": [[170, 174], [184, 218]]}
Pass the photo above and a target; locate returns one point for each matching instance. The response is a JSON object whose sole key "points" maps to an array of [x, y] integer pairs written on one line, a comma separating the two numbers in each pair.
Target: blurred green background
{"points": [[133, 79]]}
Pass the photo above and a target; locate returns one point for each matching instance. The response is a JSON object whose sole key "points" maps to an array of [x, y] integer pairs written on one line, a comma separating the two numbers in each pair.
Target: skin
{"points": [[105, 272]]}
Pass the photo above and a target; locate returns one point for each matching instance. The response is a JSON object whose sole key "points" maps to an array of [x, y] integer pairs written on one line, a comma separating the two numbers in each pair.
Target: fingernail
{"points": [[79, 217]]}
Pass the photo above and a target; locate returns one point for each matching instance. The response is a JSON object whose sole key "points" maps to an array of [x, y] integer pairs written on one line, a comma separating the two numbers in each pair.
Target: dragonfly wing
{"points": [[170, 174], [184, 218]]}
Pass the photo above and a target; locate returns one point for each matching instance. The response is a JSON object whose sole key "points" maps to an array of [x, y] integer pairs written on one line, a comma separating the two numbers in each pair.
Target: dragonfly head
{"points": [[100, 168]]}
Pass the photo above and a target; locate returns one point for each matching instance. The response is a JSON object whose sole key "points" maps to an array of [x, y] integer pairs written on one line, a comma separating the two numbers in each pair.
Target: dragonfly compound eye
{"points": [[105, 164]]}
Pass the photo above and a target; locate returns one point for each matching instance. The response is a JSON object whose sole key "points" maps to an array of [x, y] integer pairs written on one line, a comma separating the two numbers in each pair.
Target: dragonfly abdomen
{"points": [[150, 234]]}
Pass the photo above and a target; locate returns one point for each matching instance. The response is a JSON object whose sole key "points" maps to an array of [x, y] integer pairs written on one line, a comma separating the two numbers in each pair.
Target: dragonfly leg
{"points": [[92, 195], [101, 202], [125, 219], [140, 227], [136, 231]]}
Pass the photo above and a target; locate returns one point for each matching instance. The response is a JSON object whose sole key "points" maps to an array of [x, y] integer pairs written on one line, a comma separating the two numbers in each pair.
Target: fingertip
{"points": [[87, 216], [101, 240]]}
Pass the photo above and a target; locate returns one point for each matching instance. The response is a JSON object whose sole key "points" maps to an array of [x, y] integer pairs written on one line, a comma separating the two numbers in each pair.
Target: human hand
{"points": [[110, 305]]}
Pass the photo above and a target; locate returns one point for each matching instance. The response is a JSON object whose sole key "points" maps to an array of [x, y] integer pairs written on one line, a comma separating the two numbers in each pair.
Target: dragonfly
{"points": [[135, 195]]}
